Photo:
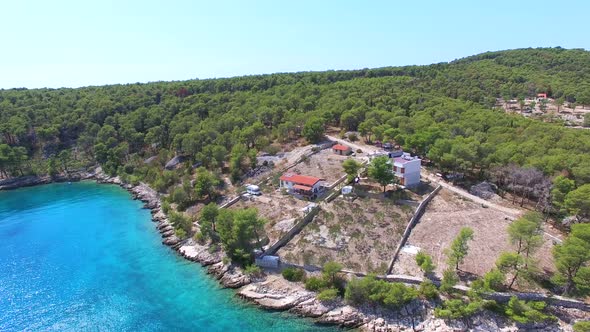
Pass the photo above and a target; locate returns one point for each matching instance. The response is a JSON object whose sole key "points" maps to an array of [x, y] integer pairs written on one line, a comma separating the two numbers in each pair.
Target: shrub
{"points": [[179, 221], [165, 207], [526, 312], [457, 308], [358, 290], [272, 149], [428, 290], [449, 280], [293, 274], [583, 326], [380, 292], [424, 261], [353, 137], [328, 294], [253, 270], [180, 233], [359, 151], [494, 280], [315, 284]]}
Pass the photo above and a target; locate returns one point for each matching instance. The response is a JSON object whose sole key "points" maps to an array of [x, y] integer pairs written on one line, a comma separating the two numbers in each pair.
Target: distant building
{"points": [[307, 186], [407, 169], [541, 96], [342, 150]]}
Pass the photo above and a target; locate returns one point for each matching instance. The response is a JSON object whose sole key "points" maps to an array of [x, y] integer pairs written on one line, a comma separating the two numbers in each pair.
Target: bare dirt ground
{"points": [[361, 234], [324, 164], [280, 212], [446, 214]]}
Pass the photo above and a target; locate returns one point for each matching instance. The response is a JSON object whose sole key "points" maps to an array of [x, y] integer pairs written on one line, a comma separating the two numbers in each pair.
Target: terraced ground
{"points": [[361, 234]]}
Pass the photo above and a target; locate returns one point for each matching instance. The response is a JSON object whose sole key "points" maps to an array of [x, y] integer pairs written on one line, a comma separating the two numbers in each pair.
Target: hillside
{"points": [[414, 105]]}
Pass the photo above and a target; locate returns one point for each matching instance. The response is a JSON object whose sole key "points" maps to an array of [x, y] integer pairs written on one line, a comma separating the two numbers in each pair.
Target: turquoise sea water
{"points": [[87, 257]]}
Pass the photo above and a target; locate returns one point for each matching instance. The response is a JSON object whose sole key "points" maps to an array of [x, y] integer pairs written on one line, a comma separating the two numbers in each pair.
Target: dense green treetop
{"points": [[443, 111]]}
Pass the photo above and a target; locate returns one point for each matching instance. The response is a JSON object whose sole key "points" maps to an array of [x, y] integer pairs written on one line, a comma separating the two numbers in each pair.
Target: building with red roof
{"points": [[341, 149], [302, 185], [541, 96]]}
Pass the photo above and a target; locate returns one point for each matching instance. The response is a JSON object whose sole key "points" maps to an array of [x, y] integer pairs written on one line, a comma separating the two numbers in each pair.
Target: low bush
{"points": [[315, 284], [328, 294], [527, 312], [428, 290], [253, 270], [583, 326], [457, 308], [293, 274]]}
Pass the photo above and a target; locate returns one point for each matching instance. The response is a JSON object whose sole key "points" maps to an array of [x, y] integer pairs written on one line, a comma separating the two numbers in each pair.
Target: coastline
{"points": [[273, 292]]}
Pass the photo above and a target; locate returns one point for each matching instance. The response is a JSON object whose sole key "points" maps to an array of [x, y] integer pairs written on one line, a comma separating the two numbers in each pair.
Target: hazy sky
{"points": [[76, 43]]}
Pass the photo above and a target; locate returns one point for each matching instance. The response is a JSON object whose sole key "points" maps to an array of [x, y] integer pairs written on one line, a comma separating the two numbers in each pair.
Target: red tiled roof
{"points": [[300, 187], [341, 147], [300, 179]]}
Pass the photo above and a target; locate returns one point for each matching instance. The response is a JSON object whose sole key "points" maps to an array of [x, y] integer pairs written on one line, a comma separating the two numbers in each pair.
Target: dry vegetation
{"points": [[280, 212], [361, 234], [324, 164], [446, 214]]}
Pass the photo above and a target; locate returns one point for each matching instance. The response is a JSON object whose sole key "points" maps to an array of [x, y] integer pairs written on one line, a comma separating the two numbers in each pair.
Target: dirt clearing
{"points": [[446, 214]]}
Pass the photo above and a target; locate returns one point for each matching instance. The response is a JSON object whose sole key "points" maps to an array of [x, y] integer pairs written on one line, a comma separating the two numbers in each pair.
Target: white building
{"points": [[407, 169]]}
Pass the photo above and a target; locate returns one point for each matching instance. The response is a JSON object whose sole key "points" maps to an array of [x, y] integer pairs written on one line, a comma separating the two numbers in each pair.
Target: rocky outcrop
{"points": [[200, 253], [34, 180], [345, 316], [270, 296], [229, 276]]}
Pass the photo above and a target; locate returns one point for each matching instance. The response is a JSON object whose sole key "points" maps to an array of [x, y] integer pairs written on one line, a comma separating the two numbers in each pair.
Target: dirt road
{"points": [[355, 146], [432, 178]]}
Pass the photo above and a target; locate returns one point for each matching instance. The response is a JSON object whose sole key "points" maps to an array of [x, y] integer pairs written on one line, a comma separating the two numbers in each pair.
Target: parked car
{"points": [[253, 190]]}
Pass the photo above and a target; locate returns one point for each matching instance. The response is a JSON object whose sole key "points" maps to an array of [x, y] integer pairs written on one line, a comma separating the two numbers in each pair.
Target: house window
{"points": [[395, 168], [402, 170]]}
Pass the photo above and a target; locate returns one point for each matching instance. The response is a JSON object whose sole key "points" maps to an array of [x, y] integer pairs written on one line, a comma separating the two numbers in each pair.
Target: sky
{"points": [[73, 43]]}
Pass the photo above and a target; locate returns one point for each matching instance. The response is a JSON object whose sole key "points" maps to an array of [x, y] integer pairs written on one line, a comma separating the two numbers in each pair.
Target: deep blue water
{"points": [[87, 257]]}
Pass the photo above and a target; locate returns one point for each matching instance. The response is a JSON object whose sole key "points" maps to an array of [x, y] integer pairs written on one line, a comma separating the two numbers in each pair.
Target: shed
{"points": [[268, 261], [341, 149]]}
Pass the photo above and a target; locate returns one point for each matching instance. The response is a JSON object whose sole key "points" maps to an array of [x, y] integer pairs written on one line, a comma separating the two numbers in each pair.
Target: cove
{"points": [[85, 256]]}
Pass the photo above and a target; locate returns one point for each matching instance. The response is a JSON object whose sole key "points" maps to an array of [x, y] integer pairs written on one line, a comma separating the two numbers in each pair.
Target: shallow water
{"points": [[87, 257]]}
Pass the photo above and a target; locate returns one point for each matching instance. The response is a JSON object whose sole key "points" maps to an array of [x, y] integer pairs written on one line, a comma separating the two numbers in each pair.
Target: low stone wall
{"points": [[292, 232], [413, 221], [552, 300], [230, 202]]}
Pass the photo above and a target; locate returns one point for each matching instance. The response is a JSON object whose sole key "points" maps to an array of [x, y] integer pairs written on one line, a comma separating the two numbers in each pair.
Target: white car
{"points": [[253, 190]]}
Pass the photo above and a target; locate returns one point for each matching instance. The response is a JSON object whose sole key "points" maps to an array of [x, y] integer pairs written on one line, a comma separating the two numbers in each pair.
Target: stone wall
{"points": [[413, 221]]}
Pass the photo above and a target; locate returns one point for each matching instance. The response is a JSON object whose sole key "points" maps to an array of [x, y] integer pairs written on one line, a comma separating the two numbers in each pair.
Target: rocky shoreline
{"points": [[273, 292]]}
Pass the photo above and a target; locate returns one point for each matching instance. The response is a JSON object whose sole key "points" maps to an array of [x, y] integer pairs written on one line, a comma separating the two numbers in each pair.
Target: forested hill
{"points": [[443, 111]]}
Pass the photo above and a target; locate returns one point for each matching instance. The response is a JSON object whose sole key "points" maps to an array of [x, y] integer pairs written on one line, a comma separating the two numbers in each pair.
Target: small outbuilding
{"points": [[341, 149], [268, 261]]}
